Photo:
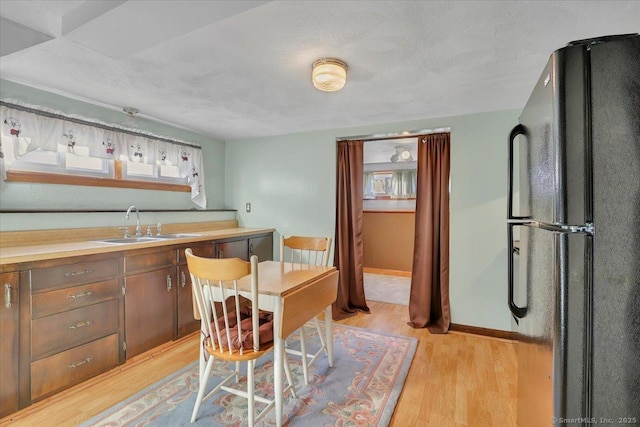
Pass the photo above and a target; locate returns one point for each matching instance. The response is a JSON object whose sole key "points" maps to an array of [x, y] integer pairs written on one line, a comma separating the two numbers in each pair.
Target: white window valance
{"points": [[40, 139]]}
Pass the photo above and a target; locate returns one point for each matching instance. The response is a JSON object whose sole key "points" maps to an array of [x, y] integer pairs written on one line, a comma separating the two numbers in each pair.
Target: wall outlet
{"points": [[248, 207]]}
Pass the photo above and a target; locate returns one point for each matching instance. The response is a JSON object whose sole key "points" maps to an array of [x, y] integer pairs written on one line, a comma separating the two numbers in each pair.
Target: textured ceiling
{"points": [[241, 69]]}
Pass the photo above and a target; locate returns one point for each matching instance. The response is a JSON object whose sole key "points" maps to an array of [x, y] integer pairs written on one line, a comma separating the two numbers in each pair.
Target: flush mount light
{"points": [[130, 110], [130, 120], [329, 74], [402, 153]]}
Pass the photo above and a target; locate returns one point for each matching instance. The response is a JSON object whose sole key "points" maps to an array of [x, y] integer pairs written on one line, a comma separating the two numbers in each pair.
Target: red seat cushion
{"points": [[265, 331]]}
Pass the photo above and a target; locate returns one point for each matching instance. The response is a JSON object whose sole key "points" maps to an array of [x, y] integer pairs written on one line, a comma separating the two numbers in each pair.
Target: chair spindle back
{"points": [[305, 250], [216, 280]]}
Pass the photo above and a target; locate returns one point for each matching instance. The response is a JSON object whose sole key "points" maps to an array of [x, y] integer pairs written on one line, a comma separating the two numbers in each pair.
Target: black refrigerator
{"points": [[573, 227]]}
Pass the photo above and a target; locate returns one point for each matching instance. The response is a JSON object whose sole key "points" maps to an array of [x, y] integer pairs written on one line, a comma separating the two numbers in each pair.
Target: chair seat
{"points": [[265, 329], [237, 357]]}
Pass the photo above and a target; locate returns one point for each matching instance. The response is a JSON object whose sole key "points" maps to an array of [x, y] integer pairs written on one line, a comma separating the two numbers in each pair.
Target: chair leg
{"points": [[303, 355], [287, 371], [250, 393], [201, 388], [320, 335]]}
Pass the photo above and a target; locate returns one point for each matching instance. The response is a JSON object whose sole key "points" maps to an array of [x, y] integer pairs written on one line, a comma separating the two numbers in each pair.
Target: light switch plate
{"points": [[248, 207]]}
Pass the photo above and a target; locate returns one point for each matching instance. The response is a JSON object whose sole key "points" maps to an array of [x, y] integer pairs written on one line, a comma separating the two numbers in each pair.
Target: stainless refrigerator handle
{"points": [[518, 312], [518, 130]]}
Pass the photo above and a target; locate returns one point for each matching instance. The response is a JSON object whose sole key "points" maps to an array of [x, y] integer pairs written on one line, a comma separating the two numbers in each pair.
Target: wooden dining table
{"points": [[294, 293]]}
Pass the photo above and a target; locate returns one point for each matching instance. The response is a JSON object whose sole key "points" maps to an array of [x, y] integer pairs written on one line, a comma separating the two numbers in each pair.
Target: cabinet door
{"points": [[150, 310], [262, 247], [187, 323], [9, 343], [233, 249]]}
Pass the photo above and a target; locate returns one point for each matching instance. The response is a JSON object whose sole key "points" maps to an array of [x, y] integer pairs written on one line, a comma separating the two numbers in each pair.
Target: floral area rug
{"points": [[361, 389]]}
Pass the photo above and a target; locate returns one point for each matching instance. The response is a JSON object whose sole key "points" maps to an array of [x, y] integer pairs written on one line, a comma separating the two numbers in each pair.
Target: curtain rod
{"points": [[95, 124], [393, 135]]}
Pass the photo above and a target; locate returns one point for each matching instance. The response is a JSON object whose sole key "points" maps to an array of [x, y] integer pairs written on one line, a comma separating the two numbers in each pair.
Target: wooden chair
{"points": [[219, 303], [309, 251]]}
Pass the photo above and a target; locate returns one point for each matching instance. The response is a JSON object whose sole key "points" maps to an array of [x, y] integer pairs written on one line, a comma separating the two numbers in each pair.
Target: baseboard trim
{"points": [[477, 330]]}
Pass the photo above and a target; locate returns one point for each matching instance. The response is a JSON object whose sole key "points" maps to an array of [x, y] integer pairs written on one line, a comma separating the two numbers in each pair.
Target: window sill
{"points": [[51, 178]]}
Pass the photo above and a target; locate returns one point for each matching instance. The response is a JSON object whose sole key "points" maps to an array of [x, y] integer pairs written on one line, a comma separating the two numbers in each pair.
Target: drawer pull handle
{"points": [[80, 325], [78, 273], [79, 363], [80, 295], [7, 295], [183, 279], [168, 282]]}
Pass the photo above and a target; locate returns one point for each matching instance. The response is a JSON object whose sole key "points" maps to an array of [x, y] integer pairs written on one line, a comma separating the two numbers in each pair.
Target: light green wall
{"points": [[25, 196], [290, 182]]}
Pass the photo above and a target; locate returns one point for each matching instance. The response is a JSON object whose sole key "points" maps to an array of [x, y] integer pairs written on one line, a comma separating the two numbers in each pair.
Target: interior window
{"points": [[390, 169]]}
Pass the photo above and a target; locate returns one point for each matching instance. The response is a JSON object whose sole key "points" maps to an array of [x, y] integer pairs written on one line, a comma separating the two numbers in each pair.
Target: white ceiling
{"points": [[241, 69]]}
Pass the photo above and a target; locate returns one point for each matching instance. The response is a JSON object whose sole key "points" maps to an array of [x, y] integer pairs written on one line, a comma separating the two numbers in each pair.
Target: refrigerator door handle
{"points": [[518, 130], [588, 228], [517, 312]]}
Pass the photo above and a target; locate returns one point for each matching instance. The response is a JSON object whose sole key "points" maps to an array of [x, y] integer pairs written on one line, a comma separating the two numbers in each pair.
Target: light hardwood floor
{"points": [[456, 379]]}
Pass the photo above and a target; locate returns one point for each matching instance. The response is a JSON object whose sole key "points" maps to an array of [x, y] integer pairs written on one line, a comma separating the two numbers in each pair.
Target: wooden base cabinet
{"points": [[150, 300], [232, 249], [63, 321], [187, 322], [244, 247], [75, 326], [9, 334]]}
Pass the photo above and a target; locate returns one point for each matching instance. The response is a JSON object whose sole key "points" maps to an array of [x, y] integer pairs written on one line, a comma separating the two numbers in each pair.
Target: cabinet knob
{"points": [[7, 295]]}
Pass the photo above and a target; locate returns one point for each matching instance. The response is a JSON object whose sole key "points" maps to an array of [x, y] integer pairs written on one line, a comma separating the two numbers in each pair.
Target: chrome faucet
{"points": [[138, 229]]}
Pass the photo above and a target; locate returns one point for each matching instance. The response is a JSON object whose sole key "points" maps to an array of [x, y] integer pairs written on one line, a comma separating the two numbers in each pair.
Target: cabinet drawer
{"points": [[47, 303], [73, 366], [64, 330], [148, 261], [198, 250], [73, 274]]}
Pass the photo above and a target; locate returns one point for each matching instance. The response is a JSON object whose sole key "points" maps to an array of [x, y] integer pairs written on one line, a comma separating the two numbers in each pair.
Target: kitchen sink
{"points": [[176, 236], [139, 239], [124, 240]]}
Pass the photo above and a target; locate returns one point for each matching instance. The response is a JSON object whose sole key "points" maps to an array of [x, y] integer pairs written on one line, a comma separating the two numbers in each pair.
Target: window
{"points": [[46, 147], [390, 169]]}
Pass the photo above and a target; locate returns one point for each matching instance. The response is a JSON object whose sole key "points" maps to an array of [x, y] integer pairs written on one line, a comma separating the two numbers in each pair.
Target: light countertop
{"points": [[20, 254]]}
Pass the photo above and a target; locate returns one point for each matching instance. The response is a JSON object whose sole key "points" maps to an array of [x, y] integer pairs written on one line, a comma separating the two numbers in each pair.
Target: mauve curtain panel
{"points": [[348, 249], [429, 296]]}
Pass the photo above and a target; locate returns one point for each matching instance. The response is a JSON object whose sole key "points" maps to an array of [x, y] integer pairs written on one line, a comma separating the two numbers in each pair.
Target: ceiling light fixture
{"points": [[329, 74], [402, 153], [130, 120]]}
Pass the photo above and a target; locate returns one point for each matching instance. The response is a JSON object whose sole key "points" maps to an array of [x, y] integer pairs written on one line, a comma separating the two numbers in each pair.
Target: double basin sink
{"points": [[139, 239]]}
